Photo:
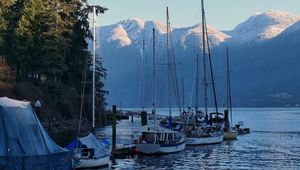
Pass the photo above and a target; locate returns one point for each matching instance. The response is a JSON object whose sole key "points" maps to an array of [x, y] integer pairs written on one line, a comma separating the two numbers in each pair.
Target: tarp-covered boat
{"points": [[24, 143]]}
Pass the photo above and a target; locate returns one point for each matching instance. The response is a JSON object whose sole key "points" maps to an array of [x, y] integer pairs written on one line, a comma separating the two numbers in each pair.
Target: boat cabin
{"points": [[159, 135]]}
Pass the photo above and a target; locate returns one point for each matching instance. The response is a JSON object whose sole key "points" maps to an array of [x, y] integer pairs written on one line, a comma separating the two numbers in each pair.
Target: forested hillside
{"points": [[44, 55]]}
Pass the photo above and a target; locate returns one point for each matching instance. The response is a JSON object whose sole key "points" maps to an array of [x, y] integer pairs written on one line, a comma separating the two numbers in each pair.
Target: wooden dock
{"points": [[124, 149]]}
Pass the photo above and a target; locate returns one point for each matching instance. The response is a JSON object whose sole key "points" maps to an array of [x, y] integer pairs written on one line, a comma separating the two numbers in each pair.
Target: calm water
{"points": [[274, 143]]}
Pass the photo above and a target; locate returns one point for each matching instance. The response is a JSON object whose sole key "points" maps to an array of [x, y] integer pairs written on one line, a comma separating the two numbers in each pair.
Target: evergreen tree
{"points": [[4, 12], [13, 16], [100, 75], [75, 60], [46, 41]]}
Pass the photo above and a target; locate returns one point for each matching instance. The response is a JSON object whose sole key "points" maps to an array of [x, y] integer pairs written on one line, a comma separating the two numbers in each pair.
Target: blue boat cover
{"points": [[73, 144], [24, 143]]}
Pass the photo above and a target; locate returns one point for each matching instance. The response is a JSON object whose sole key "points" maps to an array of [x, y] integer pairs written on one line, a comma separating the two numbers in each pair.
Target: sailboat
{"points": [[156, 139], [90, 151], [229, 133], [209, 130]]}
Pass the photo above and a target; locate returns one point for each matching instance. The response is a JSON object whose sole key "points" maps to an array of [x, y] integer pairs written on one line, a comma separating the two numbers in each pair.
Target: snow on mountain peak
{"points": [[215, 33], [132, 23], [132, 31], [191, 35], [137, 29], [294, 27], [257, 28], [256, 13], [292, 30], [119, 36], [262, 26], [159, 26]]}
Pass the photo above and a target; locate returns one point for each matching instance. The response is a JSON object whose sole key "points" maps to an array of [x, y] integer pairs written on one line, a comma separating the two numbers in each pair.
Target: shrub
{"points": [[7, 75]]}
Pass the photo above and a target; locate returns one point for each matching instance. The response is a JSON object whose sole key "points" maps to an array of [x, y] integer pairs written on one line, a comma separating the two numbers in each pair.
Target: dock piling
{"points": [[143, 118], [114, 119]]}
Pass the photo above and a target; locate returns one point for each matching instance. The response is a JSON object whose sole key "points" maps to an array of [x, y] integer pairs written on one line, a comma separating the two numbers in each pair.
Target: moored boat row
{"points": [[157, 139], [193, 128]]}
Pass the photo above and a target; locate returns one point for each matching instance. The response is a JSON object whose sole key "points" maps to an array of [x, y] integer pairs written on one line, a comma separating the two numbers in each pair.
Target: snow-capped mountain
{"points": [[263, 26], [292, 29], [133, 31], [130, 32], [192, 36], [259, 27], [138, 29], [119, 36], [259, 70]]}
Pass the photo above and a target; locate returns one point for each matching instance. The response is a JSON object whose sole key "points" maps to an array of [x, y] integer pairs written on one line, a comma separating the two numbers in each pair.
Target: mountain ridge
{"points": [[257, 28], [263, 26], [257, 63]]}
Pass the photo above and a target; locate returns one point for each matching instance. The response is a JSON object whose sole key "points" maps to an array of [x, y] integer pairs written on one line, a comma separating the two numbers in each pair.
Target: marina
{"points": [[78, 94], [274, 133]]}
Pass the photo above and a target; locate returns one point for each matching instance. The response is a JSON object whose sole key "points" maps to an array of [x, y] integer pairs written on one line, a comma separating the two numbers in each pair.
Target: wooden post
{"points": [[132, 117], [143, 118], [114, 115], [226, 119]]}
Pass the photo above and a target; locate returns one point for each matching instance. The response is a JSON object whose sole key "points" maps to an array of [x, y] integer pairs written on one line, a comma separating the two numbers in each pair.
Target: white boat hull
{"points": [[230, 135], [92, 163], [204, 140], [172, 149], [149, 148]]}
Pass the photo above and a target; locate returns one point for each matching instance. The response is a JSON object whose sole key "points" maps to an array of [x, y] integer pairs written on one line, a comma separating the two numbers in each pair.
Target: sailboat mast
{"points": [[182, 84], [94, 60], [169, 63], [229, 106], [227, 67], [205, 34], [154, 78], [204, 58], [211, 72], [197, 85], [142, 95]]}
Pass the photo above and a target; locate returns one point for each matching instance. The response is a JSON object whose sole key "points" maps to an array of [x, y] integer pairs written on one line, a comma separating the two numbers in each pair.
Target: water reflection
{"points": [[255, 151], [273, 144]]}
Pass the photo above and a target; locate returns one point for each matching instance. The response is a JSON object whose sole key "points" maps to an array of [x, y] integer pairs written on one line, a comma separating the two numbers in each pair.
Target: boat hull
{"points": [[242, 131], [172, 148], [230, 135], [149, 148], [92, 163], [204, 140]]}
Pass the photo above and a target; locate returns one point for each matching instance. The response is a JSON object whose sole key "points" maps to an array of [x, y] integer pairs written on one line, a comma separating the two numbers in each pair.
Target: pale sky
{"points": [[222, 14]]}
